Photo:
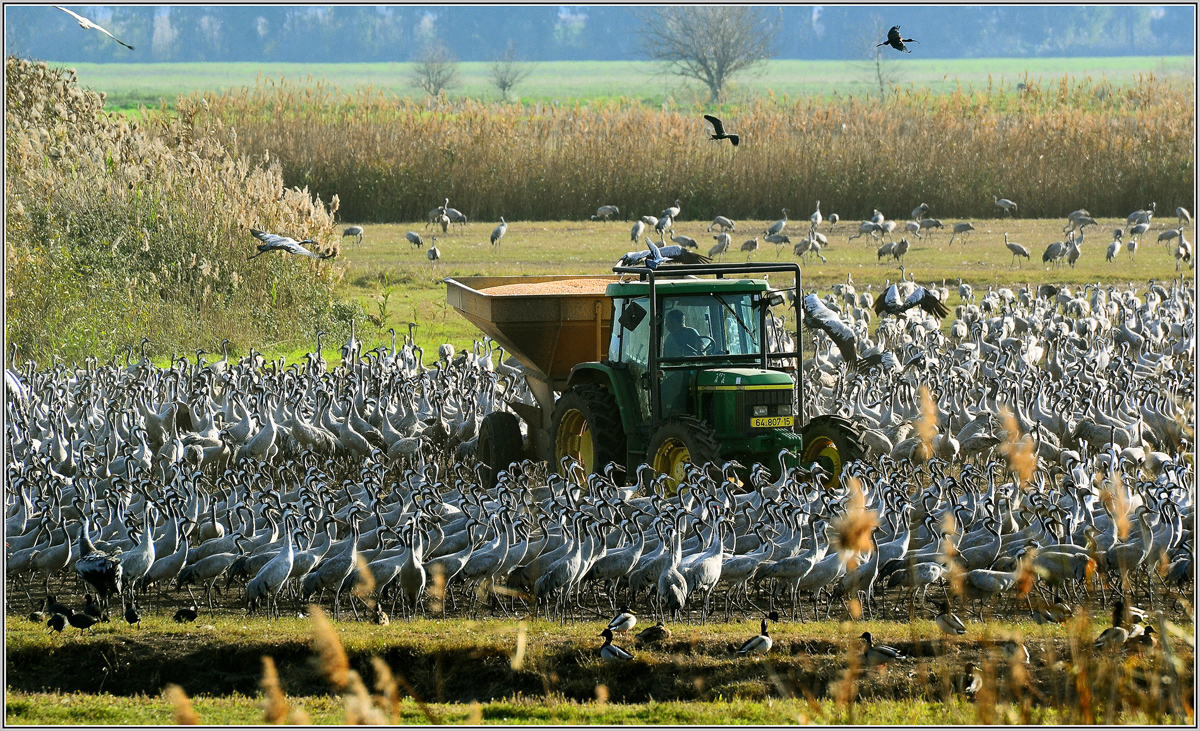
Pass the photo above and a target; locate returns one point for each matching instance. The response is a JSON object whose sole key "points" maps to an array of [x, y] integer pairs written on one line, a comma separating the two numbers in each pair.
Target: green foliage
{"points": [[120, 229]]}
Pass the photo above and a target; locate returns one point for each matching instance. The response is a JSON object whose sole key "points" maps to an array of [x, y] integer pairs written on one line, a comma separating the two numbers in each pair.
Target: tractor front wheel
{"points": [[831, 442], [680, 441]]}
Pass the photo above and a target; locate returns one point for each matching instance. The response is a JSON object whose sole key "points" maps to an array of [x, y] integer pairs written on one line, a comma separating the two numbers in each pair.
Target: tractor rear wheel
{"points": [[586, 426], [831, 442], [680, 441], [499, 445]]}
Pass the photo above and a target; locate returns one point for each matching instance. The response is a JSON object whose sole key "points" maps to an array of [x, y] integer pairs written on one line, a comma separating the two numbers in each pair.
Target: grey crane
{"points": [[1054, 253], [815, 219], [89, 25], [722, 223], [905, 295], [777, 227], [286, 244], [498, 232], [356, 231], [604, 213], [636, 232], [682, 240], [818, 315], [1005, 204], [1183, 215], [1016, 249], [671, 212], [920, 211], [900, 249], [722, 245], [963, 228]]}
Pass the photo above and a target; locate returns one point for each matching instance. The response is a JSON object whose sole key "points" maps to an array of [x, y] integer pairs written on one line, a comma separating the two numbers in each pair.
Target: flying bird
{"points": [[817, 314], [719, 132], [656, 256], [89, 25], [273, 242], [895, 41]]}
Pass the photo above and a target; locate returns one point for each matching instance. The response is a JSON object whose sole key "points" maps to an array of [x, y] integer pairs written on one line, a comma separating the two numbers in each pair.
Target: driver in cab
{"points": [[681, 341]]}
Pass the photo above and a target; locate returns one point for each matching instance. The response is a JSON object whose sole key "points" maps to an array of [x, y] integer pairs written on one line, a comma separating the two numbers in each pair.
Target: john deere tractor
{"points": [[664, 367]]}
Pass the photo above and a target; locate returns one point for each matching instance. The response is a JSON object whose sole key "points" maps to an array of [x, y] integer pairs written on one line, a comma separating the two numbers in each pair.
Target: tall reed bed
{"points": [[118, 230], [1052, 148]]}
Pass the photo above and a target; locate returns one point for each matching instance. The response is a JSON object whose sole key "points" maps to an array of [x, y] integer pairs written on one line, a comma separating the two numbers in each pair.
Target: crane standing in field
{"points": [[1016, 249], [499, 231], [356, 231]]}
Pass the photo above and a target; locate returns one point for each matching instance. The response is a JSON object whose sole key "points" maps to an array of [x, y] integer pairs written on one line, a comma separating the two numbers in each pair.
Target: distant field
{"points": [[129, 85]]}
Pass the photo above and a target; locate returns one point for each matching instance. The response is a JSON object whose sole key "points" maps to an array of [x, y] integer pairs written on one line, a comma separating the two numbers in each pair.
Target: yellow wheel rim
{"points": [[822, 451], [574, 439], [671, 460]]}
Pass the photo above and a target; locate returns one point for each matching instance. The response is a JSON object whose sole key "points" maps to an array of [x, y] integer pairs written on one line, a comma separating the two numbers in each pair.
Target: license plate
{"points": [[769, 422]]}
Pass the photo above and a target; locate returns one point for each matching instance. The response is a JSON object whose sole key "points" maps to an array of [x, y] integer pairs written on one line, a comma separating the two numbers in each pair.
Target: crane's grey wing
{"points": [[632, 258], [274, 240], [682, 255], [294, 247], [718, 128], [823, 318]]}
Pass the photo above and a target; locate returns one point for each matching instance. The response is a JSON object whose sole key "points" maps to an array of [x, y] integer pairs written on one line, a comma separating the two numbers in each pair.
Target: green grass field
{"points": [[129, 85], [386, 263]]}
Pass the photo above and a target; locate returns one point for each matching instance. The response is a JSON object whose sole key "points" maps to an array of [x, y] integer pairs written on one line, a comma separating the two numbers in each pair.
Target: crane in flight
{"points": [[89, 25]]}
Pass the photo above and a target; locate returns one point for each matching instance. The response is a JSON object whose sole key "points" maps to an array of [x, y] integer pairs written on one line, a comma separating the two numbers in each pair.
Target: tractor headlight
{"points": [[784, 409], [760, 410]]}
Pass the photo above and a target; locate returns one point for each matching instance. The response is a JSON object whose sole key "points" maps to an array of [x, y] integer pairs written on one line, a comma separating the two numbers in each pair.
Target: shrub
{"points": [[119, 229]]}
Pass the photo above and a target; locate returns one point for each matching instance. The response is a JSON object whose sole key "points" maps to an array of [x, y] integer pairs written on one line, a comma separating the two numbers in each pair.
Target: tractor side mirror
{"points": [[632, 316], [771, 299]]}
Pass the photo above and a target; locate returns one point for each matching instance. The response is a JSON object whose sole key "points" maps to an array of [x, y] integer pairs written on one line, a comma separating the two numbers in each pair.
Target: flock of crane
{"points": [[813, 242], [281, 484]]}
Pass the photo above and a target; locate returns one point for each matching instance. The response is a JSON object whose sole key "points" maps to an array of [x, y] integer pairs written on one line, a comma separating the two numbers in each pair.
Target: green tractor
{"points": [[664, 367]]}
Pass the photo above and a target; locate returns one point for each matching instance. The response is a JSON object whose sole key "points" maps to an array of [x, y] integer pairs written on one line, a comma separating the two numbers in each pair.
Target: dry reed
{"points": [[275, 705], [118, 229], [1052, 148], [184, 714]]}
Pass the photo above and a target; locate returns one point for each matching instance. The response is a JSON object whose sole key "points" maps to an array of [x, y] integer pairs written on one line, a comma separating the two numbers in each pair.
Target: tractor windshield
{"points": [[710, 324]]}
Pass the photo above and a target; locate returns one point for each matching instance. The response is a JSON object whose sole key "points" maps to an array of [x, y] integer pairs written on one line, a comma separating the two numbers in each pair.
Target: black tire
{"points": [[499, 445], [587, 426], [832, 442], [679, 441]]}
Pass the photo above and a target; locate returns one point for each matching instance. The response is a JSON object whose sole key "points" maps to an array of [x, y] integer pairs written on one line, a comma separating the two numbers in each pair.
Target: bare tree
{"points": [[882, 69], [709, 43], [508, 70], [436, 69]]}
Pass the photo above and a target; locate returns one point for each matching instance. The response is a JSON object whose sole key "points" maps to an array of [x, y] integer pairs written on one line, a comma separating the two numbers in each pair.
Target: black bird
{"points": [[91, 607], [817, 314], [272, 242], [83, 621], [132, 616], [57, 623], [719, 132], [187, 614], [895, 41], [52, 606]]}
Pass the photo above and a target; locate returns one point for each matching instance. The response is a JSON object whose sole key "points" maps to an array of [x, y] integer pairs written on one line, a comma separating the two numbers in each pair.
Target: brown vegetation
{"points": [[120, 229], [1052, 148]]}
